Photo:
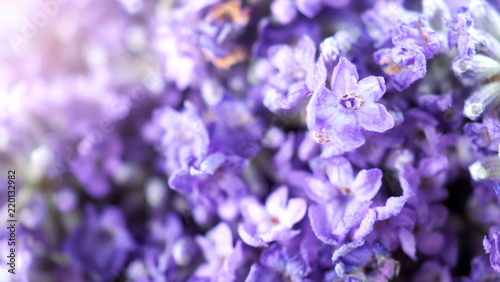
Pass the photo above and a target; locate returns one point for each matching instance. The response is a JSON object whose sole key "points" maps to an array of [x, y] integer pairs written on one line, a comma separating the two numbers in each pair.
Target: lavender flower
{"points": [[346, 109], [187, 140], [343, 205], [276, 262], [272, 222], [492, 246], [107, 233], [363, 262], [294, 78], [222, 258]]}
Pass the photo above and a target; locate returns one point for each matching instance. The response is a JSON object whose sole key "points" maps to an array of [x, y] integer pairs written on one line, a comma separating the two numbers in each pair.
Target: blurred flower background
{"points": [[257, 140]]}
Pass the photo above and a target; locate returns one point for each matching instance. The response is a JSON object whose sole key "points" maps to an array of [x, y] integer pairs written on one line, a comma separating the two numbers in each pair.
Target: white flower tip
{"points": [[477, 171], [473, 110]]}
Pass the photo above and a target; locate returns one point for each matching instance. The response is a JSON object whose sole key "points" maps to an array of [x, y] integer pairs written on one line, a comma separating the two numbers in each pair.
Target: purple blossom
{"points": [[149, 140], [185, 143], [492, 247], [353, 258], [405, 63], [222, 258], [93, 170], [273, 221], [106, 232], [381, 20], [417, 35], [344, 202], [277, 263], [235, 129], [294, 78], [403, 66], [461, 32], [481, 269], [346, 109]]}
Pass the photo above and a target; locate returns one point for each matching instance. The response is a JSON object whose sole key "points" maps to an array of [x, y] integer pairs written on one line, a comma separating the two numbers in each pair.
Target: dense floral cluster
{"points": [[258, 140]]}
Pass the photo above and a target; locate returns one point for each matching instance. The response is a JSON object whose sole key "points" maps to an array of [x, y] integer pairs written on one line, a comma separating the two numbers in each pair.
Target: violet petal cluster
{"points": [[259, 140]]}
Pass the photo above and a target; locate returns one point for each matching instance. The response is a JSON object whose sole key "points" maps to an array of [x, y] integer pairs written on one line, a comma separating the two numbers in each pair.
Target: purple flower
{"points": [[343, 200], [397, 232], [439, 12], [481, 270], [492, 247], [181, 54], [432, 175], [446, 108], [485, 134], [422, 132], [222, 259], [167, 249], [405, 62], [416, 35], [106, 234], [374, 150], [273, 221], [96, 164], [381, 20], [278, 262], [337, 115], [392, 207], [461, 33], [485, 168], [185, 139], [215, 174], [482, 205], [235, 130], [361, 261], [213, 187], [294, 78], [195, 121], [403, 66]]}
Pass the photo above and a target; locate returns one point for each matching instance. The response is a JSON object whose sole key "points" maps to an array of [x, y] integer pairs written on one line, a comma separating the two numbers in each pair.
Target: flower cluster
{"points": [[259, 140]]}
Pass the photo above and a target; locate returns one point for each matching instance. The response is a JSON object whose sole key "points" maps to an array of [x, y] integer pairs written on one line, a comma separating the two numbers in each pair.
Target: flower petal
{"points": [[374, 117], [408, 244], [371, 88], [344, 78], [321, 108], [323, 218], [343, 133], [276, 201], [281, 56], [319, 190], [339, 171], [294, 212], [367, 184], [245, 232], [309, 8]]}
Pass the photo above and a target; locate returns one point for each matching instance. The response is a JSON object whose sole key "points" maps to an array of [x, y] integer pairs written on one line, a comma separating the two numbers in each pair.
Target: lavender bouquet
{"points": [[257, 140]]}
